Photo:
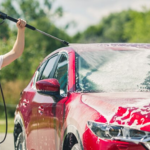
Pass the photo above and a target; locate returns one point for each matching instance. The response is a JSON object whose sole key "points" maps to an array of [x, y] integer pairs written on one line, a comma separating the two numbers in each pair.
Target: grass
{"points": [[10, 125]]}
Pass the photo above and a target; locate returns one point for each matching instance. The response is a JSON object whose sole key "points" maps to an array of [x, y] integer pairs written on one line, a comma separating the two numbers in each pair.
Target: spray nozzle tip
{"points": [[66, 43]]}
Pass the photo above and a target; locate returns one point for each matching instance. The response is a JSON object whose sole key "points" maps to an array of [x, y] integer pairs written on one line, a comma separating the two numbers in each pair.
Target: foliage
{"points": [[138, 28], [126, 26]]}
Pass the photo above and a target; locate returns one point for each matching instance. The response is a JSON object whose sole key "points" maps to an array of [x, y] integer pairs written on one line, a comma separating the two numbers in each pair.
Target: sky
{"points": [[90, 12]]}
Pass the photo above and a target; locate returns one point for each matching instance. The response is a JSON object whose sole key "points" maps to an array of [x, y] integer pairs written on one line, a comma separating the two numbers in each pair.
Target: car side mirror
{"points": [[49, 87]]}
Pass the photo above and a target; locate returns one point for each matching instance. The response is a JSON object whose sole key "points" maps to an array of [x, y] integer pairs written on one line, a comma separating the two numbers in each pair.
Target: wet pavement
{"points": [[8, 143]]}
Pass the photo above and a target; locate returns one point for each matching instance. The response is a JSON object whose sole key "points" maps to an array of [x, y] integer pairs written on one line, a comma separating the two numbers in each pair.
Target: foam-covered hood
{"points": [[127, 109]]}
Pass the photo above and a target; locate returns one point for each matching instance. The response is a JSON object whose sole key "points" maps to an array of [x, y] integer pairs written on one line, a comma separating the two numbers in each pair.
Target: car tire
{"points": [[21, 142], [76, 147]]}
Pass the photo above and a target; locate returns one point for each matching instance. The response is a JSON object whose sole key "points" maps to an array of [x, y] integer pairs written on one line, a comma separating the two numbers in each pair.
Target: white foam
{"points": [[117, 71], [109, 107]]}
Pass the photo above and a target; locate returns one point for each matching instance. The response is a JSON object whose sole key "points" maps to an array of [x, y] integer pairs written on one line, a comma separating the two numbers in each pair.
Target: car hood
{"points": [[128, 109]]}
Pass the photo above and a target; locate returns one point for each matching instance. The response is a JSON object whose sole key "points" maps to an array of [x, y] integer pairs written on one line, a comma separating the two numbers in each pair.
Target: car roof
{"points": [[101, 46], [114, 46]]}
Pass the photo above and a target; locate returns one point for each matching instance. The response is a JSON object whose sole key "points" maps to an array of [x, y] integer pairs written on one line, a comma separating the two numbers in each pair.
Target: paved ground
{"points": [[8, 143]]}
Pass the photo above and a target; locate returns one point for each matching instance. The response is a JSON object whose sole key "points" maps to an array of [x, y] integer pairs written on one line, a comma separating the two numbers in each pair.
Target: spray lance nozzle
{"points": [[5, 16]]}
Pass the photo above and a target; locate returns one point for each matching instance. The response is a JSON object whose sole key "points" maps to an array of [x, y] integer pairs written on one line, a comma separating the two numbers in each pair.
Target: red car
{"points": [[87, 96]]}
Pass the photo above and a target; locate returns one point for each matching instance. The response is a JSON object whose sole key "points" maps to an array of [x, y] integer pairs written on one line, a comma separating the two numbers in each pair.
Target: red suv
{"points": [[87, 96]]}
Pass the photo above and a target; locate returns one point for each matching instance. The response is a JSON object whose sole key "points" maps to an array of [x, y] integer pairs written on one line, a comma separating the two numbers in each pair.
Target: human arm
{"points": [[18, 47]]}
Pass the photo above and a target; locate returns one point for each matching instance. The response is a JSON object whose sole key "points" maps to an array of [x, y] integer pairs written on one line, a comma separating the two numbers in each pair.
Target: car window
{"points": [[113, 70], [48, 69], [38, 73], [61, 74]]}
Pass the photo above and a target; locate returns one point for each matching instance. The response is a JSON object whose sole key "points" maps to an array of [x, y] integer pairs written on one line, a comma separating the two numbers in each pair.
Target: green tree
{"points": [[137, 30], [126, 26], [110, 29]]}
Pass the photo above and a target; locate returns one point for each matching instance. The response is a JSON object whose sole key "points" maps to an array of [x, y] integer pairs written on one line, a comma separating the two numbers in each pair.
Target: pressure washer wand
{"points": [[5, 16]]}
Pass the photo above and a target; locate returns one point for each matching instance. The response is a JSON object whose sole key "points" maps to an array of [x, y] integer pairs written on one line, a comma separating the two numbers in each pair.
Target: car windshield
{"points": [[113, 70]]}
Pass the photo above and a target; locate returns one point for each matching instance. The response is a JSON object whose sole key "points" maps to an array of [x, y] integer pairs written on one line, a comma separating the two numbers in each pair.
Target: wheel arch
{"points": [[68, 132], [18, 119]]}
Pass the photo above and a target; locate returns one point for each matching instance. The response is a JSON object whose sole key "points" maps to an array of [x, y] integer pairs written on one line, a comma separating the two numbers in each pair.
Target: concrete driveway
{"points": [[8, 143]]}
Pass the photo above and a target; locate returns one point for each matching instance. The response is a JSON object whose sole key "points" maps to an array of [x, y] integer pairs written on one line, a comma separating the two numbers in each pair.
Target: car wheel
{"points": [[76, 147], [20, 142]]}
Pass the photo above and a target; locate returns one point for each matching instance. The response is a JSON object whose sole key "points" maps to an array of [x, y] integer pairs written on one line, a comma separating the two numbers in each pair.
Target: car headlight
{"points": [[122, 133]]}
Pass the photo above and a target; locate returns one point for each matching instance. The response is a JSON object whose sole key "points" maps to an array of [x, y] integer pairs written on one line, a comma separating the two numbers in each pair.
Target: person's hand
{"points": [[21, 24]]}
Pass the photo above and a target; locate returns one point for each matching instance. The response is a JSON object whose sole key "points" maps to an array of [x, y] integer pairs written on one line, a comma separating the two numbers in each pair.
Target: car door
{"points": [[30, 110], [51, 112], [44, 103]]}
